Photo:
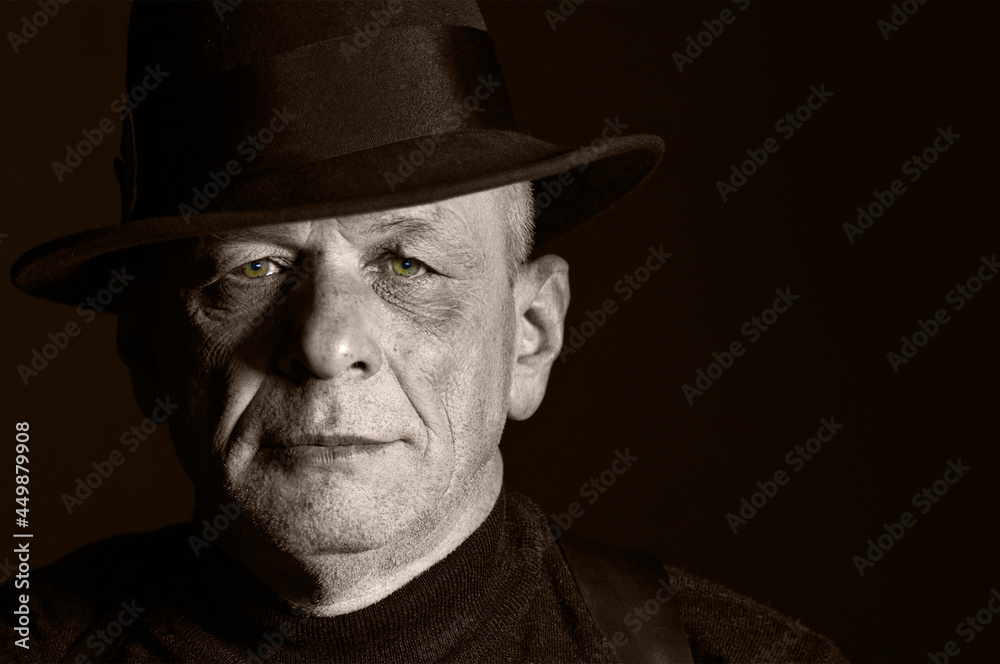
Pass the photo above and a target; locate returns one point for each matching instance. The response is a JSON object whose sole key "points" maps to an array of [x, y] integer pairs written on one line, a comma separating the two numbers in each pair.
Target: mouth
{"points": [[326, 451], [336, 440]]}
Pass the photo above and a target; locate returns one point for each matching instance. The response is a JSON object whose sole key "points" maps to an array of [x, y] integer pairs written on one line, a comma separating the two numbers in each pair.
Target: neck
{"points": [[339, 583]]}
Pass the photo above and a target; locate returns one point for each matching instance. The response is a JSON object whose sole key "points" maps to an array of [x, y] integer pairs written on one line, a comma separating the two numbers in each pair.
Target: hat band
{"points": [[320, 101]]}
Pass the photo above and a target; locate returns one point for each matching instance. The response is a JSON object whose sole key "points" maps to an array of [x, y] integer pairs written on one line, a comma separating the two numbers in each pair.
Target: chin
{"points": [[326, 515]]}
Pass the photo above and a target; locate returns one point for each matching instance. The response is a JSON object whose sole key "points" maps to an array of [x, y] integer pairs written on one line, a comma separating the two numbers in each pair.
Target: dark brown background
{"points": [[826, 357]]}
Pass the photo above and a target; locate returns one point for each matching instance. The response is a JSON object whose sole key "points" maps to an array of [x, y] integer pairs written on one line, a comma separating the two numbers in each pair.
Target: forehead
{"points": [[465, 223]]}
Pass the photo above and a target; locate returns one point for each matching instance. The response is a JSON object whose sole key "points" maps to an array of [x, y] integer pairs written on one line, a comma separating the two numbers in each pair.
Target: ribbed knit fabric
{"points": [[505, 595], [724, 626]]}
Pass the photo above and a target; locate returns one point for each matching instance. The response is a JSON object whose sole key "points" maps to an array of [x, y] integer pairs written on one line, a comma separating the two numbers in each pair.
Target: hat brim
{"points": [[571, 186]]}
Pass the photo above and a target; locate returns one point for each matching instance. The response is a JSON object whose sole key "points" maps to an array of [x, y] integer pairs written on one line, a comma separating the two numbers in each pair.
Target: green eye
{"points": [[257, 269], [407, 267]]}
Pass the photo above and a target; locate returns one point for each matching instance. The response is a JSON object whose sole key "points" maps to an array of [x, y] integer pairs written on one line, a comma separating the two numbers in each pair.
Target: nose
{"points": [[330, 334]]}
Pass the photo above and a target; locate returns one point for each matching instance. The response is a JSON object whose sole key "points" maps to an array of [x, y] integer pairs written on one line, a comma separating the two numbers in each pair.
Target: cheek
{"points": [[196, 352], [197, 358], [433, 315], [454, 366], [476, 386], [462, 341]]}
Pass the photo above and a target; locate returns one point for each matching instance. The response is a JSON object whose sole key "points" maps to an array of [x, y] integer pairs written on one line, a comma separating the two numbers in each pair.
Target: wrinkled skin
{"points": [[348, 401]]}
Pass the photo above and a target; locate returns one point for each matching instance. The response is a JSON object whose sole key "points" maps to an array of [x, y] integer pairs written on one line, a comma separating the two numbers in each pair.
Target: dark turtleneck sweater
{"points": [[505, 594]]}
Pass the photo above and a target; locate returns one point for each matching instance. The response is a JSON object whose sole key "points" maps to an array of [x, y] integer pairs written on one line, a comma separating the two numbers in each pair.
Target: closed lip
{"points": [[335, 440]]}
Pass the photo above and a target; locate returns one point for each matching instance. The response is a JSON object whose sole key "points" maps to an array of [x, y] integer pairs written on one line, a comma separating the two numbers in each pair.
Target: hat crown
{"points": [[198, 39], [273, 86]]}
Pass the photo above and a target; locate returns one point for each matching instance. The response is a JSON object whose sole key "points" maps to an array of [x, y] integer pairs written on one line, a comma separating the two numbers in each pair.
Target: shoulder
{"points": [[67, 597], [724, 626]]}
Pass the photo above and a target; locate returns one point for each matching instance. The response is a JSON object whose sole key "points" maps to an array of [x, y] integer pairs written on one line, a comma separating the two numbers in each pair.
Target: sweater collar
{"points": [[472, 588]]}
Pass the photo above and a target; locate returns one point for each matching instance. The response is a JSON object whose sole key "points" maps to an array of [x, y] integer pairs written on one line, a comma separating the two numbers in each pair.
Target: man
{"points": [[331, 244]]}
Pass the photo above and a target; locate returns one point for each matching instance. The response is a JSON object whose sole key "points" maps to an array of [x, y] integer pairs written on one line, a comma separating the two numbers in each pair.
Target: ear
{"points": [[541, 297], [134, 341]]}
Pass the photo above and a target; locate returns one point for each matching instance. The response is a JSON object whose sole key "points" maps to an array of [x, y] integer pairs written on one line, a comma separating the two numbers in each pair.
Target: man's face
{"points": [[343, 380]]}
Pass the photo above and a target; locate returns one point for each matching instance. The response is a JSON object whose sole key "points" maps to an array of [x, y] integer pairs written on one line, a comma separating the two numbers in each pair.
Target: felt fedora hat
{"points": [[267, 111]]}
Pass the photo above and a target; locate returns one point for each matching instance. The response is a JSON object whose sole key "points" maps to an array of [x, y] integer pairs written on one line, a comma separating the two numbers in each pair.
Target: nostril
{"points": [[298, 369], [359, 365]]}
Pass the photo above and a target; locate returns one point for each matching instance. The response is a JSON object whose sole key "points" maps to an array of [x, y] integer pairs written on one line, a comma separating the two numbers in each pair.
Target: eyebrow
{"points": [[255, 234], [390, 222], [393, 222]]}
